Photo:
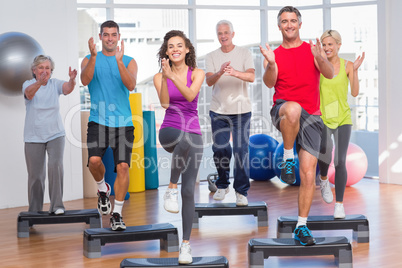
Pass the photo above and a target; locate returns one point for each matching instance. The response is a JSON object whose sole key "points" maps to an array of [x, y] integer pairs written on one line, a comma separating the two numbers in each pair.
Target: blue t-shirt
{"points": [[43, 120], [110, 105]]}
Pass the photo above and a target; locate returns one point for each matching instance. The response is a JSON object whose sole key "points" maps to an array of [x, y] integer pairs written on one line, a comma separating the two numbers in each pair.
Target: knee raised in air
{"points": [[95, 162], [291, 112]]}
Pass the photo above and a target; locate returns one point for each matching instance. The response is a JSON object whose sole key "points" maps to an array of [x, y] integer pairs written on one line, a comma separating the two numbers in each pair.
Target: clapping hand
{"points": [[268, 53], [223, 67], [316, 49], [166, 70], [43, 79], [72, 73], [92, 47], [120, 51], [358, 62], [229, 70]]}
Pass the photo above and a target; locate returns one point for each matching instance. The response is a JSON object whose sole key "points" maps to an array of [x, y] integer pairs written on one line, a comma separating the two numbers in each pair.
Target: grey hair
{"points": [[289, 9], [224, 22], [39, 60]]}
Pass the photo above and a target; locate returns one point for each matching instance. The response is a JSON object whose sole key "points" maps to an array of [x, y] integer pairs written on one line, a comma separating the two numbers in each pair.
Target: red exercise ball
{"points": [[356, 165]]}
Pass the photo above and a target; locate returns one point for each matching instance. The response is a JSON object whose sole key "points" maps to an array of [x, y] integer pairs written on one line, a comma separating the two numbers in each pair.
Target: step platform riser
{"points": [[258, 209], [94, 239], [198, 262], [28, 219], [358, 223], [339, 247]]}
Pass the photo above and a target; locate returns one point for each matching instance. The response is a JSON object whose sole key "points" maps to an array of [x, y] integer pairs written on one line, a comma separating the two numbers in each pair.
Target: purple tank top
{"points": [[181, 114]]}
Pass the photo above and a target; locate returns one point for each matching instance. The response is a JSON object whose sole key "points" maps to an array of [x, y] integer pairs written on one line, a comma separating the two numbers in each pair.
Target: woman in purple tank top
{"points": [[178, 87]]}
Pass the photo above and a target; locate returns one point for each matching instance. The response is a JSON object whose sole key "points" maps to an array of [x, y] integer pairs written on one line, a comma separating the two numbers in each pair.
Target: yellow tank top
{"points": [[334, 99]]}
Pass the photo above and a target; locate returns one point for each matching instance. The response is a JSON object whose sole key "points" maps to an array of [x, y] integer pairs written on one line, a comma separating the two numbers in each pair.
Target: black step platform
{"points": [[258, 209], [260, 249], [358, 223], [94, 239], [28, 219], [198, 262]]}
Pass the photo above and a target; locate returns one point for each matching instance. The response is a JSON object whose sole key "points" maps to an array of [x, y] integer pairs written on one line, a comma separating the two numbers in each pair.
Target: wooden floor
{"points": [[61, 245]]}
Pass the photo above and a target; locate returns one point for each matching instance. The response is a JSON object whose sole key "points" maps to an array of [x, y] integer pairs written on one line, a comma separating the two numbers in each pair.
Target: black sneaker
{"points": [[104, 206], [288, 171], [116, 222], [303, 234]]}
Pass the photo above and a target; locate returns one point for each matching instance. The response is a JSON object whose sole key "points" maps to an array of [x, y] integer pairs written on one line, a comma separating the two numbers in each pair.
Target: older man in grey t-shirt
{"points": [[229, 69]]}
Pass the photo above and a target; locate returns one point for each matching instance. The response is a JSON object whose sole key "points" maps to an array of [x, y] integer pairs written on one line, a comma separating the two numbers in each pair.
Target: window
{"points": [[88, 26], [359, 34], [229, 3], [144, 28], [295, 3], [144, 23], [154, 2], [345, 1]]}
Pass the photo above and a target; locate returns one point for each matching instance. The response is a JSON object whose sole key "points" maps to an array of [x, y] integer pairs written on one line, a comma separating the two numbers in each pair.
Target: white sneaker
{"points": [[241, 200], [104, 205], [170, 200], [59, 211], [326, 192], [220, 193], [185, 254], [339, 212]]}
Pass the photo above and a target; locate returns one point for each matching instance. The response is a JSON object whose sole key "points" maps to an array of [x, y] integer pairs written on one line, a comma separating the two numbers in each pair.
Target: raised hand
{"points": [[72, 73], [120, 51], [268, 53], [358, 62], [92, 47], [316, 49], [166, 70], [42, 79]]}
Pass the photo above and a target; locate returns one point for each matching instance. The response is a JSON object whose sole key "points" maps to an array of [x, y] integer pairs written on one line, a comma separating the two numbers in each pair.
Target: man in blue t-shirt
{"points": [[110, 75]]}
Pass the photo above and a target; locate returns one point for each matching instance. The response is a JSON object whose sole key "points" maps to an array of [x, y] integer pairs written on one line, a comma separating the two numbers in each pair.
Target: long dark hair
{"points": [[190, 59]]}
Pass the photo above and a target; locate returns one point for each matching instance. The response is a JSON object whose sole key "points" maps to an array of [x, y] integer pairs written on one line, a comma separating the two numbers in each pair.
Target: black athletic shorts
{"points": [[120, 139], [311, 126]]}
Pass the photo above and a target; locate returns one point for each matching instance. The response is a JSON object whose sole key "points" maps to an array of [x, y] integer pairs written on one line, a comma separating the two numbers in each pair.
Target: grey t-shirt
{"points": [[230, 94], [43, 120]]}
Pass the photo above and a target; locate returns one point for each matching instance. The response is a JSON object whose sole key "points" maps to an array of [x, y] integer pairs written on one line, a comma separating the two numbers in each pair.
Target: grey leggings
{"points": [[186, 159], [35, 158], [341, 138]]}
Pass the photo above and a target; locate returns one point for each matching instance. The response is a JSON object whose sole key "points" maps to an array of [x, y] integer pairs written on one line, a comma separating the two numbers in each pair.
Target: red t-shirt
{"points": [[298, 78]]}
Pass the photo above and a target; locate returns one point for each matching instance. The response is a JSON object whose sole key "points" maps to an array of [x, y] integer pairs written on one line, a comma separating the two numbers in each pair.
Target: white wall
{"points": [[390, 91], [54, 25]]}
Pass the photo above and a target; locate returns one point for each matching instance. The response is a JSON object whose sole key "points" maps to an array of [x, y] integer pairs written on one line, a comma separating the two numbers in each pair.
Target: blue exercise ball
{"points": [[278, 158], [261, 150], [17, 51]]}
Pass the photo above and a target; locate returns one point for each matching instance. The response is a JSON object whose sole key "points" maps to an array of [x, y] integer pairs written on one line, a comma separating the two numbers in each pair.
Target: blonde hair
{"points": [[39, 60], [332, 33]]}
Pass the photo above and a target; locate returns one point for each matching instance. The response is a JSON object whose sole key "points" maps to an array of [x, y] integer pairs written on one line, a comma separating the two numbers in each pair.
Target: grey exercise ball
{"points": [[17, 51]]}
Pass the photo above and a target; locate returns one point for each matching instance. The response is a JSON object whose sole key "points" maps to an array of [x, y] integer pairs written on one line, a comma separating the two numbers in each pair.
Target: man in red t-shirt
{"points": [[294, 70]]}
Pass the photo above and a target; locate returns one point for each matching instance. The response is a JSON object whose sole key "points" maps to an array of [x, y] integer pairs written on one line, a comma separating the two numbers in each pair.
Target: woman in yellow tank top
{"points": [[337, 118]]}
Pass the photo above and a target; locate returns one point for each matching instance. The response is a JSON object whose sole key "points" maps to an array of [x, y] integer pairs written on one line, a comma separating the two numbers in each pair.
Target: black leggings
{"points": [[186, 159], [341, 138]]}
